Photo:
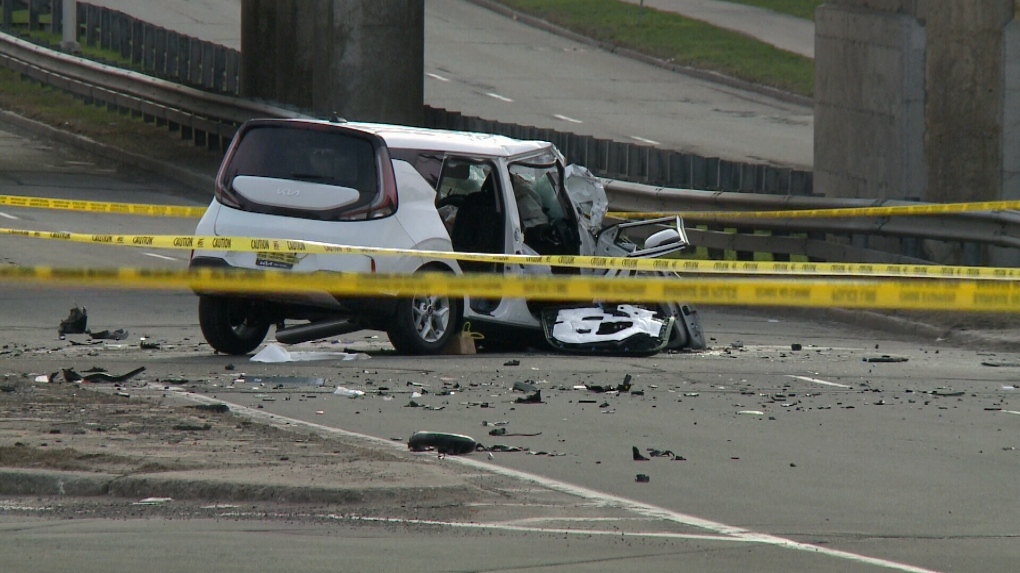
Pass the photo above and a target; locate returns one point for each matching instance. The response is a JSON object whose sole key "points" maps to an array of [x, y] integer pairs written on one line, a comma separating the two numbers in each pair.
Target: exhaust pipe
{"points": [[315, 331]]}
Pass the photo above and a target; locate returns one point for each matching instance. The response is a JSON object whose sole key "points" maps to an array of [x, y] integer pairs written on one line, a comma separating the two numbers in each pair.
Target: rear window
{"points": [[324, 157]]}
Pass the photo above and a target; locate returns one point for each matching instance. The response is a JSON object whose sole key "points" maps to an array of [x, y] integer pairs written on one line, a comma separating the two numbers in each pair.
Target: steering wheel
{"points": [[454, 200]]}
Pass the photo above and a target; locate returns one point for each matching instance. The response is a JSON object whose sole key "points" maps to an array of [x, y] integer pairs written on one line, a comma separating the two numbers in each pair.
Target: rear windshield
{"points": [[340, 172], [312, 155]]}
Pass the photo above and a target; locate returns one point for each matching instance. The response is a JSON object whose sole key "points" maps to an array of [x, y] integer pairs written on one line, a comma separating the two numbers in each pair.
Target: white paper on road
{"points": [[277, 353]]}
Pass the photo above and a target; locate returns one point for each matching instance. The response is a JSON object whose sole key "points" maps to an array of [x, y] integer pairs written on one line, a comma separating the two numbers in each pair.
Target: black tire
{"points": [[424, 324], [230, 325]]}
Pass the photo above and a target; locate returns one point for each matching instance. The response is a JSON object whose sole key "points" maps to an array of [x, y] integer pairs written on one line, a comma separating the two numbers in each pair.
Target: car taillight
{"points": [[226, 197]]}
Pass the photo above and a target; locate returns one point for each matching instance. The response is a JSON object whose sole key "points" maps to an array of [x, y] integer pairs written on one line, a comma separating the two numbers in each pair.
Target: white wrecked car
{"points": [[416, 189]]}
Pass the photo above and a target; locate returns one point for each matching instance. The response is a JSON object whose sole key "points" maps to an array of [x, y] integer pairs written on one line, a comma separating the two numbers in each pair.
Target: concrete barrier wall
{"points": [[869, 103], [918, 99]]}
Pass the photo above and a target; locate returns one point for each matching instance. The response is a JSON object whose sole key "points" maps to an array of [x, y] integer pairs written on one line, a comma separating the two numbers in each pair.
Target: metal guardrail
{"points": [[863, 239], [211, 119]]}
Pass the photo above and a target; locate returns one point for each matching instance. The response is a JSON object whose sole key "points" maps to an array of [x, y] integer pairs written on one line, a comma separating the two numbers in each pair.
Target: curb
{"points": [[29, 482], [715, 77]]}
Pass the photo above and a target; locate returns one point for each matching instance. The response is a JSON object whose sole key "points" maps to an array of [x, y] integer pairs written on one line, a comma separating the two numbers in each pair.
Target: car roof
{"points": [[463, 142]]}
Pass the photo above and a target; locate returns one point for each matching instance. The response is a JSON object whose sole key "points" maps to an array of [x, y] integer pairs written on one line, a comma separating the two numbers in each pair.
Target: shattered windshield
{"points": [[537, 183]]}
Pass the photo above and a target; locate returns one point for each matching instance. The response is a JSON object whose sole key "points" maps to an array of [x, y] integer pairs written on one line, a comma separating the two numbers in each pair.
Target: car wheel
{"points": [[231, 325], [424, 324]]}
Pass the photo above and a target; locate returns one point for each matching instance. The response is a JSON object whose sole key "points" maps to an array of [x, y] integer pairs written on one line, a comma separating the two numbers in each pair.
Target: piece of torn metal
{"points": [[624, 329], [442, 443], [104, 377]]}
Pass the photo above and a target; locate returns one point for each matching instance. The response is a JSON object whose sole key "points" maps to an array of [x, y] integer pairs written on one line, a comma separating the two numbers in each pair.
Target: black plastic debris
{"points": [[442, 443], [885, 358], [70, 375], [512, 363], [104, 377], [75, 323], [624, 386], [502, 448], [535, 398], [638, 457], [796, 347], [119, 334], [642, 478], [146, 344]]}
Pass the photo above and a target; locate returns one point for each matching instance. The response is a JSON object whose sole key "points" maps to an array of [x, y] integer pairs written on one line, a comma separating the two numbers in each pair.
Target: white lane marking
{"points": [[438, 77], [565, 118], [817, 381], [164, 257], [606, 499], [559, 530], [1010, 412], [499, 97], [643, 140], [6, 216]]}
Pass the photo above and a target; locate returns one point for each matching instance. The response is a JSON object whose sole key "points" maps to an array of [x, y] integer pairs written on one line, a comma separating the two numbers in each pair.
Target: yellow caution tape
{"points": [[264, 245], [195, 212], [901, 211], [972, 296], [101, 207]]}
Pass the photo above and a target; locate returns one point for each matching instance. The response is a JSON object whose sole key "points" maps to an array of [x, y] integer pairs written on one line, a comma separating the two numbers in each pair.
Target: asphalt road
{"points": [[482, 64], [809, 460]]}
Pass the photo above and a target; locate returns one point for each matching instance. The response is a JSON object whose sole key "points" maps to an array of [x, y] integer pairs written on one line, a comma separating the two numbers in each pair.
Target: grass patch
{"points": [[681, 40], [799, 8]]}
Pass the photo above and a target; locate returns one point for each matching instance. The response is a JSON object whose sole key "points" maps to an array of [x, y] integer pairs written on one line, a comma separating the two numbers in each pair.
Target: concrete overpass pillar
{"points": [[363, 59], [918, 99]]}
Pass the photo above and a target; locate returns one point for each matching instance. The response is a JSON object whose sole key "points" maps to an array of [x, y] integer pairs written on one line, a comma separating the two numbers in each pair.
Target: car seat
{"points": [[479, 226]]}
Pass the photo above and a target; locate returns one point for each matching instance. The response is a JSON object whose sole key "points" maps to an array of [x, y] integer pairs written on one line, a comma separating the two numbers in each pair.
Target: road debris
{"points": [[154, 501], [636, 453], [527, 386], [642, 478], [75, 323], [348, 392], [104, 377], [886, 358], [278, 382], [119, 334], [274, 353], [442, 443], [535, 398]]}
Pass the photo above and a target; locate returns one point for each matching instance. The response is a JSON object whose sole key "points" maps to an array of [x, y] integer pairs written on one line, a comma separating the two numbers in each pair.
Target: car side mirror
{"points": [[663, 237]]}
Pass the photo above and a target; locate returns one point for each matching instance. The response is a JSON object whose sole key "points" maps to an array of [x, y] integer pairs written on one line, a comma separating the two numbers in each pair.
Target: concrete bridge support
{"points": [[918, 99], [363, 59]]}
